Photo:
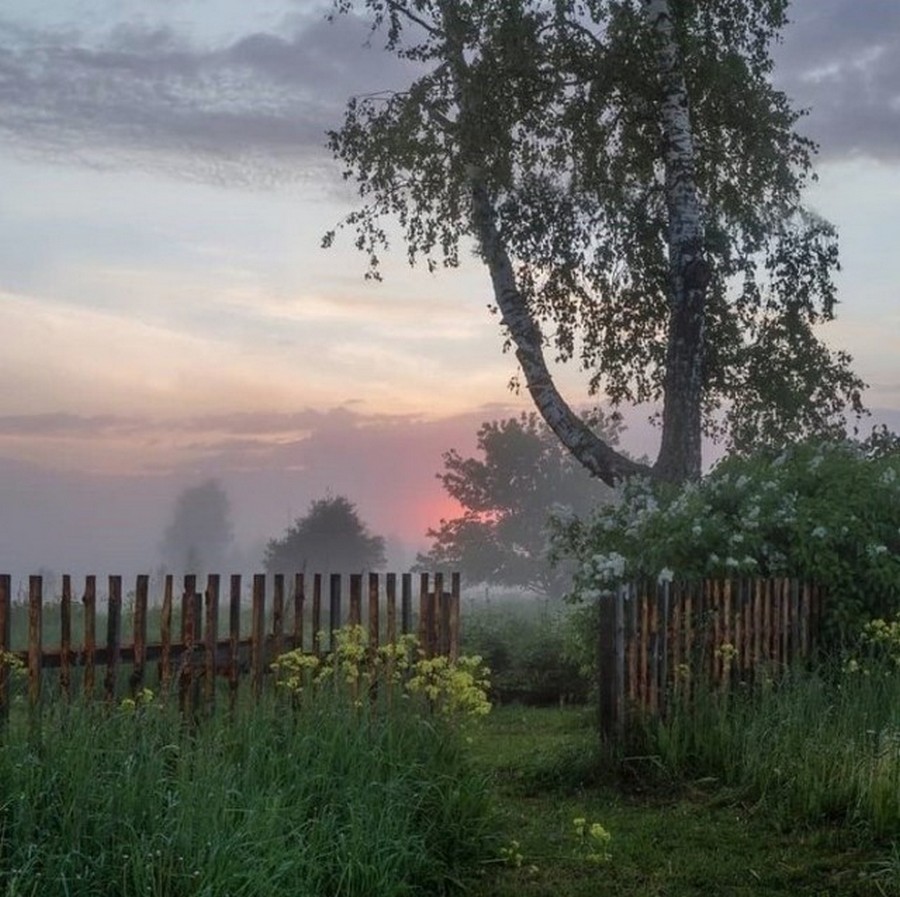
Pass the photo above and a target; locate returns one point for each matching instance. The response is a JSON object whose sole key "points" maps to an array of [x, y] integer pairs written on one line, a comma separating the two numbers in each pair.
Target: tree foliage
{"points": [[330, 538], [200, 533], [575, 143], [507, 496], [828, 512]]}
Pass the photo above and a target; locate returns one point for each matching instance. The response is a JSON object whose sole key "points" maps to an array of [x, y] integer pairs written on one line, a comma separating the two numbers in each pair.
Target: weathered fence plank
{"points": [[65, 637], [663, 639], [5, 646], [35, 606], [191, 663], [141, 593]]}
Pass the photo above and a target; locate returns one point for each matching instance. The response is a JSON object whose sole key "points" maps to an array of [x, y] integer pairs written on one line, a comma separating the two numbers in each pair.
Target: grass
{"points": [[793, 789], [676, 838], [333, 801]]}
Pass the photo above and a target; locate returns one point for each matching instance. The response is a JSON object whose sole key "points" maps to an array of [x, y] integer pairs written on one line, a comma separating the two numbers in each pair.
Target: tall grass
{"points": [[821, 745], [334, 801]]}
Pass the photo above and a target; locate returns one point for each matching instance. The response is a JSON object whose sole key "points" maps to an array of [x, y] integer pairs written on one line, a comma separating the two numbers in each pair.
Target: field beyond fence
{"points": [[211, 638], [658, 642]]}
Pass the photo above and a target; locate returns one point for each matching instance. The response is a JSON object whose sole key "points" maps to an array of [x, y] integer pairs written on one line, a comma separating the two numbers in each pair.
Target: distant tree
{"points": [[330, 538], [200, 533], [507, 496]]}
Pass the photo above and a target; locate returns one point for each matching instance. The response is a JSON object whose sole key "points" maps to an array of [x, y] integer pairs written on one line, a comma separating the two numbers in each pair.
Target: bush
{"points": [[530, 650], [825, 512]]}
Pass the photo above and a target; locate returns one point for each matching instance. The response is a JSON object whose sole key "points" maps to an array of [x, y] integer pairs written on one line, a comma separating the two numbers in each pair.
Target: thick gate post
{"points": [[609, 712]]}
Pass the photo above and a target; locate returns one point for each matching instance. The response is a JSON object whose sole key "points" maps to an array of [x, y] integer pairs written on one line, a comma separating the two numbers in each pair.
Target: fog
{"points": [[94, 523]]}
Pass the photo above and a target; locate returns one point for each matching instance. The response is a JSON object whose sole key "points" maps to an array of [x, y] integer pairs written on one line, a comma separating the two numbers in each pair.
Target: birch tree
{"points": [[633, 182]]}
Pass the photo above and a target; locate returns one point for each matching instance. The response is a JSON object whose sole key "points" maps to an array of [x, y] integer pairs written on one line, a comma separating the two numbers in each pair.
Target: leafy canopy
{"points": [[561, 112], [507, 496], [330, 538]]}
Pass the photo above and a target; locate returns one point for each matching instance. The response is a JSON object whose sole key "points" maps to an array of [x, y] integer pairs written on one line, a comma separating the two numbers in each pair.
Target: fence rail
{"points": [[305, 612], [659, 642]]}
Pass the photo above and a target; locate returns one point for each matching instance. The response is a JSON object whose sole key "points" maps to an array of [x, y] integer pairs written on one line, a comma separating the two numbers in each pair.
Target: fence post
{"points": [[165, 635], [455, 592], [113, 635], [211, 639], [188, 680], [317, 615], [35, 608], [424, 615], [606, 667], [258, 648], [142, 587], [278, 615], [355, 600], [373, 612], [65, 637], [5, 597], [438, 617], [390, 588], [234, 638], [299, 597], [406, 592], [90, 633], [334, 607]]}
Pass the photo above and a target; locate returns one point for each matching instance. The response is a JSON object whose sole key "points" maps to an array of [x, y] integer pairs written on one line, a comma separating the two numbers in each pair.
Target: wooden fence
{"points": [[660, 642], [306, 616]]}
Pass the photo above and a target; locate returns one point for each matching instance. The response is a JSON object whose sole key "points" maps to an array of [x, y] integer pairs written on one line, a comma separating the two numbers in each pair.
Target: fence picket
{"points": [[659, 640], [5, 646], [195, 659], [65, 638], [35, 590]]}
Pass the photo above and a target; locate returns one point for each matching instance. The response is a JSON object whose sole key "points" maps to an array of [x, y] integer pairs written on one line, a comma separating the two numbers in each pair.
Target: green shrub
{"points": [[824, 512], [530, 650]]}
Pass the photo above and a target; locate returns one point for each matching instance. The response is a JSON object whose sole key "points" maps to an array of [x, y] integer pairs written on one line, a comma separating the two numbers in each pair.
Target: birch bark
{"points": [[680, 453], [592, 452]]}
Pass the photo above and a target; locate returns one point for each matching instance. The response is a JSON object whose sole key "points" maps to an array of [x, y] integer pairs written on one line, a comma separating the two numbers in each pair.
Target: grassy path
{"points": [[677, 841]]}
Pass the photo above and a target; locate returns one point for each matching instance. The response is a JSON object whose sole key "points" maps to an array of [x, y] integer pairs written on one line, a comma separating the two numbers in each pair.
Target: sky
{"points": [[168, 315]]}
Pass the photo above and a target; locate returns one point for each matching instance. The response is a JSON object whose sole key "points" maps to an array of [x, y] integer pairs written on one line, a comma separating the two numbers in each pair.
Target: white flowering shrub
{"points": [[828, 513]]}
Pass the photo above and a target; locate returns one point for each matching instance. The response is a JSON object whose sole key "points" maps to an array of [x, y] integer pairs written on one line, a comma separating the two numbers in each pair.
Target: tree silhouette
{"points": [[330, 538], [200, 533], [506, 496]]}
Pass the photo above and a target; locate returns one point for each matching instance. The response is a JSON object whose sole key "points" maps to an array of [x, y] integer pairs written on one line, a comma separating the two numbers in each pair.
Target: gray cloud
{"points": [[841, 60], [256, 110], [62, 424]]}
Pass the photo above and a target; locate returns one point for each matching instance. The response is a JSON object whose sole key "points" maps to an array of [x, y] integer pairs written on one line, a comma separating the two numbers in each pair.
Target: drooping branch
{"points": [[592, 452]]}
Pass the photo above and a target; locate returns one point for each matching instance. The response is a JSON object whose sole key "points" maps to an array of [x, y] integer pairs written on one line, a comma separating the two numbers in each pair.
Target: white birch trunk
{"points": [[593, 453], [680, 453]]}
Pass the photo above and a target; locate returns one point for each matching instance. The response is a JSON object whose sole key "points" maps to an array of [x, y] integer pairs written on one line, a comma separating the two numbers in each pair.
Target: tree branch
{"points": [[592, 452]]}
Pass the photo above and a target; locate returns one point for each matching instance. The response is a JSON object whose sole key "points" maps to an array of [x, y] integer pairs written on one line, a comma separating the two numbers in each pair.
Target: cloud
{"points": [[253, 111], [841, 60]]}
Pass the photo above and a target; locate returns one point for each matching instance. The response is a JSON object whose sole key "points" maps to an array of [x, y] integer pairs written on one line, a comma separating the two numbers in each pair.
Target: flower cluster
{"points": [[593, 839], [143, 698], [456, 689]]}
